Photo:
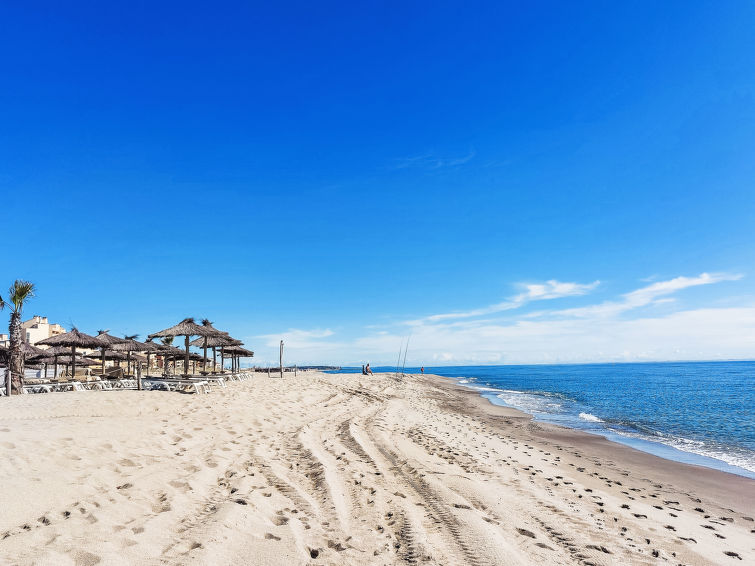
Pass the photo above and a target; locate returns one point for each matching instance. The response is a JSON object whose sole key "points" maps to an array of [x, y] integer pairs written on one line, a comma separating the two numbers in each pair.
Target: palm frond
{"points": [[206, 322], [20, 292], [132, 337], [168, 340]]}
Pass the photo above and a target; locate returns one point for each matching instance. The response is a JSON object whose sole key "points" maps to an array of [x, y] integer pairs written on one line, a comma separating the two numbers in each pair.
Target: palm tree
{"points": [[18, 294]]}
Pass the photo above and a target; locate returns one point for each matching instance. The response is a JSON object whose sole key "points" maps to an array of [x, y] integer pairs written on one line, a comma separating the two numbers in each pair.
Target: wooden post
{"points": [[268, 371], [138, 376], [73, 362], [281, 359]]}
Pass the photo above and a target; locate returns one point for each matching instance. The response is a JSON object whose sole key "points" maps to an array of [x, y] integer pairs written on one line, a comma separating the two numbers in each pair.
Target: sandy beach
{"points": [[344, 469]]}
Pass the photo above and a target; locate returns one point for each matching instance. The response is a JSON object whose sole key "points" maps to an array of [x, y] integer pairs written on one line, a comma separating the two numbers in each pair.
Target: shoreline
{"points": [[348, 470], [656, 448], [738, 488]]}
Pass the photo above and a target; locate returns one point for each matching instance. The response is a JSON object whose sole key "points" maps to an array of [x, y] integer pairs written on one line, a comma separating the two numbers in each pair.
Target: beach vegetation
{"points": [[18, 294]]}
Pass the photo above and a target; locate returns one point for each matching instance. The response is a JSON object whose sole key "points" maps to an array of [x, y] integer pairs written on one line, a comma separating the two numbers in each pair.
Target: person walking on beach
{"points": [[367, 370], [422, 370]]}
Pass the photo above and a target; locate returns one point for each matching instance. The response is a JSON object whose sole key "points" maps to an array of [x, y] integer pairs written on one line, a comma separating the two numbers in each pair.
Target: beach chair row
{"points": [[192, 384]]}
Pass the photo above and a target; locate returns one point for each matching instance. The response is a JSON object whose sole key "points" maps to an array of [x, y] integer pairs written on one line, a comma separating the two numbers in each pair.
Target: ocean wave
{"points": [[534, 404], [589, 417], [740, 458]]}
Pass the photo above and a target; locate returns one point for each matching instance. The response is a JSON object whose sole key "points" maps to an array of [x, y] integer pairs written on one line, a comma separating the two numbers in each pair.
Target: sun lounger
{"points": [[182, 385], [38, 388]]}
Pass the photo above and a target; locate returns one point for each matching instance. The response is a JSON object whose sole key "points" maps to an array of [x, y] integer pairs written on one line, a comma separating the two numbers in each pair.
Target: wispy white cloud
{"points": [[433, 161], [647, 295], [601, 332], [551, 289]]}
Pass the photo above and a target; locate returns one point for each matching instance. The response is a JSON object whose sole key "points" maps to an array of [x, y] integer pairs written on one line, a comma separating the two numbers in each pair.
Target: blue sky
{"points": [[339, 174]]}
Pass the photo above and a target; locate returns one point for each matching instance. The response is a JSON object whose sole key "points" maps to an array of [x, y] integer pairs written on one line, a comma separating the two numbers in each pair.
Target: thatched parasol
{"points": [[27, 351], [109, 355], [60, 356], [73, 339], [220, 340], [151, 348], [106, 343], [186, 328], [51, 355], [130, 344], [238, 352], [166, 351]]}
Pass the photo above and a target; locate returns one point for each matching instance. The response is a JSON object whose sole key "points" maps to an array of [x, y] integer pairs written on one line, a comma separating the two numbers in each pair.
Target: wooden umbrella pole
{"points": [[204, 362], [186, 359], [73, 362], [103, 362]]}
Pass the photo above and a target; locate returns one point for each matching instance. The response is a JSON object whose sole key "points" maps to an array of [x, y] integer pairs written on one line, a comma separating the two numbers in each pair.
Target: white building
{"points": [[38, 328], [4, 340]]}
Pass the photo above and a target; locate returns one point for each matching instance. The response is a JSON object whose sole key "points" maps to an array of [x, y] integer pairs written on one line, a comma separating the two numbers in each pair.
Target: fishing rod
{"points": [[403, 367], [398, 362]]}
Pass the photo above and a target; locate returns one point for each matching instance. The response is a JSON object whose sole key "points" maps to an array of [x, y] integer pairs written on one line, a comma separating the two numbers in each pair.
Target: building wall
{"points": [[38, 328]]}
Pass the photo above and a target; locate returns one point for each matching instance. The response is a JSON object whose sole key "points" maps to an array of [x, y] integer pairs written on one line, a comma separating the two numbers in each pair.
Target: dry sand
{"points": [[344, 469]]}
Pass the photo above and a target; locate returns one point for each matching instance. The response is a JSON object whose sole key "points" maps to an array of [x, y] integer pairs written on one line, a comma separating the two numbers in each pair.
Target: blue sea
{"points": [[695, 412]]}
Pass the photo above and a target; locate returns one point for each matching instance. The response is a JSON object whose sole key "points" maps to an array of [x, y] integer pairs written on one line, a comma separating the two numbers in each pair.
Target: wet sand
{"points": [[344, 469]]}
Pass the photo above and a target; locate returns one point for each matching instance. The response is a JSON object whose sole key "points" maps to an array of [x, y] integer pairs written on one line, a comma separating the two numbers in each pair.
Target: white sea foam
{"points": [[589, 417], [742, 459]]}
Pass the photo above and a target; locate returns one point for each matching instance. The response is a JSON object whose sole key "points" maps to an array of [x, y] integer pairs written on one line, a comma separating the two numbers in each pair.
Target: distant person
{"points": [[422, 369], [364, 372], [367, 370]]}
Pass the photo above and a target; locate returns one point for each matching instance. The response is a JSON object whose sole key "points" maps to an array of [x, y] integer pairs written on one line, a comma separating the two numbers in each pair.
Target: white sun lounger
{"points": [[184, 385]]}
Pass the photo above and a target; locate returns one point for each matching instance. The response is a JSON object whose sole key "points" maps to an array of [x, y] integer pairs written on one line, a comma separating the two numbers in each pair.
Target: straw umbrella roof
{"points": [[65, 359], [56, 351], [239, 351], [74, 338], [131, 345], [187, 327], [109, 355], [107, 340], [27, 350], [217, 340], [165, 349]]}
